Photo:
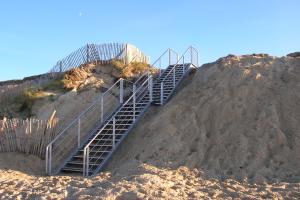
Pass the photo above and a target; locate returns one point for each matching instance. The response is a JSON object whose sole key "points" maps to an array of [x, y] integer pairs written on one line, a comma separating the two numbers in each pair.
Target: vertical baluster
{"points": [[87, 161], [50, 160], [121, 90], [78, 133], [161, 93], [134, 100], [84, 163], [170, 57], [150, 88], [102, 101], [183, 67], [174, 77], [114, 132]]}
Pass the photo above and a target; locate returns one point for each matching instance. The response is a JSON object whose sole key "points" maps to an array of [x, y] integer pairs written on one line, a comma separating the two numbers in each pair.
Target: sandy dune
{"points": [[231, 131]]}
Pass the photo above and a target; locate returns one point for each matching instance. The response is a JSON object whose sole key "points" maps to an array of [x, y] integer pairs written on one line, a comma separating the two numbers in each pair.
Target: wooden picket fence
{"points": [[30, 136]]}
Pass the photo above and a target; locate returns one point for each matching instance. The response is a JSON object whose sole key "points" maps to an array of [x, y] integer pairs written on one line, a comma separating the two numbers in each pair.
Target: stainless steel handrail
{"points": [[86, 153], [182, 57]]}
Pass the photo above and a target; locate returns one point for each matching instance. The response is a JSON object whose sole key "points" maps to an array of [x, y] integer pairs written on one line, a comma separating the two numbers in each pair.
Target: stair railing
{"points": [[168, 57], [73, 135], [189, 57], [138, 92]]}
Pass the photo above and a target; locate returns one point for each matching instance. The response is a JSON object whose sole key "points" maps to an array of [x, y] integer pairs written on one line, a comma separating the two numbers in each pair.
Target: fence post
{"points": [[161, 93], [78, 133], [121, 90], [134, 99], [87, 53], [114, 132], [60, 66]]}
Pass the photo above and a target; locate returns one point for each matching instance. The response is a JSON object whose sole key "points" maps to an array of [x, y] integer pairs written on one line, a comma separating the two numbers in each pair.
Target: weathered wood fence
{"points": [[29, 136], [100, 53]]}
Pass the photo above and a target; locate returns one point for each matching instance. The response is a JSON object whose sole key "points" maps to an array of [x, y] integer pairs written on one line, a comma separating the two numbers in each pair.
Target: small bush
{"points": [[54, 85], [24, 102]]}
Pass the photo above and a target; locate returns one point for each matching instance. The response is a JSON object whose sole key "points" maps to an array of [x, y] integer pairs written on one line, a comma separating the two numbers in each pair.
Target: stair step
{"points": [[94, 151], [117, 129], [81, 163], [102, 145], [73, 169]]}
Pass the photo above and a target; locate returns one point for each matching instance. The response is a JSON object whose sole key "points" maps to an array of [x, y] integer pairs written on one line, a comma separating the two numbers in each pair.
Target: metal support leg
{"points": [[114, 132], [78, 133], [121, 90], [161, 93]]}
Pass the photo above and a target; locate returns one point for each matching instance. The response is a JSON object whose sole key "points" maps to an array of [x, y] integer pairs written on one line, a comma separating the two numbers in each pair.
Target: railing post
{"points": [[197, 59], [121, 90], [174, 77], [87, 161], [183, 67], [50, 160], [78, 133], [47, 160], [191, 55], [134, 100], [150, 88], [102, 109], [114, 132], [161, 93], [160, 63], [84, 163], [170, 57]]}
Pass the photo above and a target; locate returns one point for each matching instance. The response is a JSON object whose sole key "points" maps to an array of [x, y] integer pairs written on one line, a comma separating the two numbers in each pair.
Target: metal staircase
{"points": [[92, 155]]}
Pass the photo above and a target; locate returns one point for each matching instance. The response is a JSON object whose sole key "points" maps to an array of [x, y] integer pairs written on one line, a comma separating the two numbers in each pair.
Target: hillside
{"points": [[235, 118], [231, 131], [29, 98]]}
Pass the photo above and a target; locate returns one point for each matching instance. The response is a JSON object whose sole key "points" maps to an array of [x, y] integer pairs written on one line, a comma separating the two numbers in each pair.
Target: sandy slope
{"points": [[236, 118], [232, 130], [140, 181]]}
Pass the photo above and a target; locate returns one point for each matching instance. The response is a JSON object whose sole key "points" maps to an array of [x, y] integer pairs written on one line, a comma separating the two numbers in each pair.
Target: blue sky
{"points": [[35, 34]]}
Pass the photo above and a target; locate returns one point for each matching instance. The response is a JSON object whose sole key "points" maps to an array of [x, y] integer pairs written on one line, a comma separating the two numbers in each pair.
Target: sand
{"points": [[231, 131], [235, 118], [141, 181]]}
